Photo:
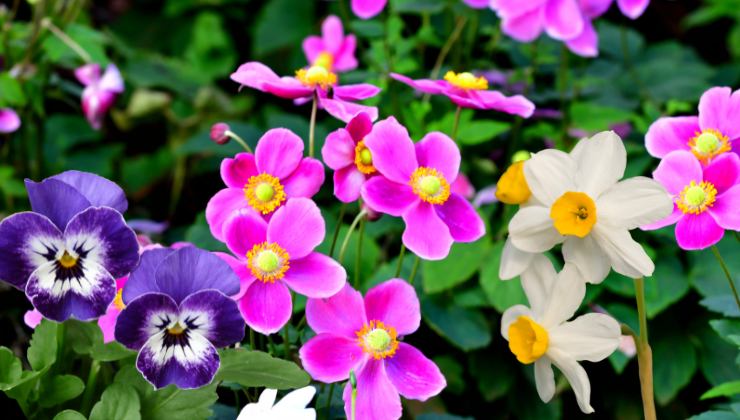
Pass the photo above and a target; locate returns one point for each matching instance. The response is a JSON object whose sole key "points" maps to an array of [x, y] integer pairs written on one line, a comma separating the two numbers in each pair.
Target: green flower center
{"points": [[430, 185], [695, 196], [707, 142], [264, 192], [366, 157], [268, 261], [378, 339]]}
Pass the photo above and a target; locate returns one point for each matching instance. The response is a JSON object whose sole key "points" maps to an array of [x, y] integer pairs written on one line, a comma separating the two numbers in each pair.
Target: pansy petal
{"points": [[591, 337], [725, 209], [241, 269], [190, 269], [513, 261], [279, 152], [342, 314], [550, 173], [634, 202], [46, 195], [531, 230], [461, 218], [393, 150], [214, 316], [585, 254], [221, 206], [426, 235], [377, 398], [434, 87], [143, 317], [297, 242], [339, 149], [97, 190], [436, 150], [306, 180], [345, 110], [510, 316], [27, 241], [316, 276], [394, 303], [413, 374], [329, 358], [576, 376], [601, 162], [143, 279], [365, 9], [723, 172], [544, 379], [88, 73], [698, 231], [348, 183], [111, 80], [386, 196], [243, 230], [669, 134], [627, 256], [677, 170], [718, 109], [266, 306], [237, 171]]}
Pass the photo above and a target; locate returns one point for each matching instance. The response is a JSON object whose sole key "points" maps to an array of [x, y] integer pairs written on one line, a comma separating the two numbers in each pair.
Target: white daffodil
{"points": [[581, 202], [291, 407], [543, 335]]}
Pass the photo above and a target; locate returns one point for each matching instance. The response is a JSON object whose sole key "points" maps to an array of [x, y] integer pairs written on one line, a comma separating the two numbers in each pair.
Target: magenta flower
{"points": [[468, 91], [263, 181], [271, 258], [345, 152], [477, 4], [365, 9], [415, 184], [332, 50], [364, 336], [630, 8], [100, 91], [463, 187], [337, 100], [107, 322], [708, 135], [9, 120], [706, 200]]}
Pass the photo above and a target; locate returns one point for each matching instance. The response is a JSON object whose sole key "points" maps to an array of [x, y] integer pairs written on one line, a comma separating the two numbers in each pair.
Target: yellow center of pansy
{"points": [[527, 340], [696, 198], [512, 187], [466, 81], [325, 60], [430, 185], [177, 329], [574, 213], [316, 76], [364, 159], [118, 300], [378, 340], [264, 193], [268, 262], [67, 261], [709, 144]]}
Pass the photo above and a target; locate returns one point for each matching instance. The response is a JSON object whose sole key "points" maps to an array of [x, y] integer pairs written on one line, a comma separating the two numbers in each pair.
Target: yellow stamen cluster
{"points": [[512, 187], [378, 340], [709, 144], [430, 185], [316, 76], [268, 262], [528, 340], [466, 81], [67, 261], [364, 159], [574, 213], [264, 193], [177, 329], [118, 301], [325, 60], [696, 198]]}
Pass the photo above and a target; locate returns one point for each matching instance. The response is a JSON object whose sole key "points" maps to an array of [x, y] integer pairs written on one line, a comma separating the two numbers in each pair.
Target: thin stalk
{"points": [[454, 35], [358, 257], [232, 135], [252, 341], [722, 263], [342, 210], [399, 266], [92, 377], [352, 227], [644, 354], [286, 342], [413, 270], [457, 123], [312, 127], [71, 43], [328, 401]]}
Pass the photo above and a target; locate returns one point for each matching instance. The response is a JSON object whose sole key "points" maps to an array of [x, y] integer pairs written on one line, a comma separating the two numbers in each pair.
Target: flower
{"points": [[463, 187], [633, 9], [364, 336], [332, 50], [9, 120], [344, 151], [218, 133], [263, 181], [707, 136], [291, 407], [541, 334], [107, 322], [477, 4], [365, 9], [468, 91], [415, 185], [581, 203], [705, 199], [337, 100], [178, 311], [273, 257], [100, 91]]}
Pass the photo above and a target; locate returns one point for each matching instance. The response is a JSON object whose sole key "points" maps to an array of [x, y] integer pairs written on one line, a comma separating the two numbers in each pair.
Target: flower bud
{"points": [[218, 133]]}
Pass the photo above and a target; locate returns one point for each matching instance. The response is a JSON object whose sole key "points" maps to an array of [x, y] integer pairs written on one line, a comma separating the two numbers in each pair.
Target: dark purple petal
{"points": [[27, 241], [142, 279], [46, 196], [189, 270], [214, 316], [143, 317], [100, 192]]}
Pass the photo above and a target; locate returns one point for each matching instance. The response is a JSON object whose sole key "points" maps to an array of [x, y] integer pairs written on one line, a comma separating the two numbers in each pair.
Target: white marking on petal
{"points": [[41, 249], [88, 243], [84, 285]]}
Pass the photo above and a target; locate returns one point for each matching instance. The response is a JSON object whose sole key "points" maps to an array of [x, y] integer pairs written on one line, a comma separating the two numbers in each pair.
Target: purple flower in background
{"points": [[365, 9], [178, 312], [477, 4], [100, 91], [9, 120], [332, 50]]}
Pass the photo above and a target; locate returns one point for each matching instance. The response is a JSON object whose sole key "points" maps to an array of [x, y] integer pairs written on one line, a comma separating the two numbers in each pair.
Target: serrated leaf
{"points": [[258, 369], [43, 350], [60, 388], [10, 369], [117, 402]]}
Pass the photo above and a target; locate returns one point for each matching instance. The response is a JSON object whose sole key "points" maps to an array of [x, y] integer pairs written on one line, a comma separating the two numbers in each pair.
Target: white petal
{"points": [[544, 378], [513, 261], [586, 255], [298, 399], [591, 337], [634, 202], [601, 162], [267, 397], [531, 230], [564, 298], [511, 315], [576, 375], [537, 282], [627, 256], [550, 173]]}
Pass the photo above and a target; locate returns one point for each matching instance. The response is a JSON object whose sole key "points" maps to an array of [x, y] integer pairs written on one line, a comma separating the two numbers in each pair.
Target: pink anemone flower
{"points": [[336, 99], [365, 9], [711, 134], [477, 4], [364, 336], [271, 258], [9, 120], [332, 50], [706, 200], [468, 91], [100, 91], [630, 8], [415, 185], [263, 181]]}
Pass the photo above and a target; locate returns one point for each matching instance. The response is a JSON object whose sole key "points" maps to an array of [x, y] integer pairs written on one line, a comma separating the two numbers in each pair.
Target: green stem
{"points": [[726, 270], [457, 123], [342, 210], [252, 341], [312, 127], [286, 341], [644, 354], [232, 135], [328, 401], [74, 46], [399, 266], [92, 378], [345, 242], [454, 35], [413, 270], [358, 257]]}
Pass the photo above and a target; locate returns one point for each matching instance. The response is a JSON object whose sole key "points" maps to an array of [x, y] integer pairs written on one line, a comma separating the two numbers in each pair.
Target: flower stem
{"points": [[358, 256], [342, 210], [286, 341], [352, 227], [92, 378], [252, 341], [644, 354], [232, 135], [399, 266], [414, 268], [722, 263], [328, 401], [312, 127], [71, 43], [454, 35], [457, 123]]}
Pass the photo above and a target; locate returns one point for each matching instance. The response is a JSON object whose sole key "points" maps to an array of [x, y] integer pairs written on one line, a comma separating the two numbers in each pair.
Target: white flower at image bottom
{"points": [[291, 407]]}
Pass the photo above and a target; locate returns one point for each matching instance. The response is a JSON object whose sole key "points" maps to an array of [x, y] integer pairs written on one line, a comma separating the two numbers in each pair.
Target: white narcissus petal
{"points": [[544, 378], [537, 282], [588, 257], [627, 256], [634, 202], [296, 400], [513, 261], [591, 337], [601, 161], [267, 397], [531, 230], [511, 315], [549, 174], [576, 376], [564, 298]]}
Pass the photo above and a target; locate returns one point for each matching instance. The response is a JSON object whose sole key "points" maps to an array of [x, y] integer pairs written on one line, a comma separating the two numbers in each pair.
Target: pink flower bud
{"points": [[218, 133]]}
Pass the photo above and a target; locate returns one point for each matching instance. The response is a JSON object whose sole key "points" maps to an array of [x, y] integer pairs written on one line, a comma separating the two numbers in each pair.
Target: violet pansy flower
{"points": [[100, 91], [263, 181], [364, 336], [178, 312], [271, 258], [415, 185], [9, 121], [332, 50]]}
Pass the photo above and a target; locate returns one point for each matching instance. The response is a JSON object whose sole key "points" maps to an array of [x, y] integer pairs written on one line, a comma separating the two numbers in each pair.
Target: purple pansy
{"points": [[178, 312], [364, 336], [263, 181], [273, 257], [9, 120], [332, 49], [100, 91], [415, 185]]}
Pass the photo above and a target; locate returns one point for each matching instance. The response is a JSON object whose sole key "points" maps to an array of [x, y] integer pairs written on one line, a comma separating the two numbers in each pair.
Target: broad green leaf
{"points": [[715, 415], [199, 234], [726, 389], [258, 369], [502, 294], [110, 352], [82, 336], [90, 40], [718, 359], [118, 402], [43, 350], [674, 364], [144, 170], [419, 6], [464, 328], [463, 261], [210, 50], [11, 93], [594, 117], [667, 285], [728, 329], [69, 415], [723, 304], [493, 373], [60, 388], [277, 29], [10, 369], [477, 132]]}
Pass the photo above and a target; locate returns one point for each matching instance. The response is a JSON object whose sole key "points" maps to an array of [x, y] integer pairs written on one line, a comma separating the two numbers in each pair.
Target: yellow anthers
{"points": [[430, 185], [527, 340], [118, 300], [264, 193], [364, 159], [177, 329], [378, 340], [696, 198], [316, 76], [67, 261], [466, 81], [268, 262], [512, 187], [709, 144], [574, 213], [325, 60]]}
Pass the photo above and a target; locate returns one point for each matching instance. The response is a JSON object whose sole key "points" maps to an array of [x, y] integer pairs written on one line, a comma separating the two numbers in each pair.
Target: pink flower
{"points": [[332, 50], [477, 4], [364, 336], [337, 100], [630, 8], [706, 200], [468, 91], [100, 92], [273, 257], [9, 120], [365, 9], [463, 187], [263, 181], [711, 134], [344, 151], [415, 184]]}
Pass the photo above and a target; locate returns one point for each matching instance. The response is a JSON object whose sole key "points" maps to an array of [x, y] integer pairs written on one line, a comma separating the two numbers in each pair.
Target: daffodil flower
{"points": [[291, 407]]}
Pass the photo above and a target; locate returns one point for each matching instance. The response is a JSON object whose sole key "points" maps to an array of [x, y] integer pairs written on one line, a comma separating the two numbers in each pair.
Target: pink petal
{"points": [[88, 74], [329, 358], [359, 127], [671, 219], [413, 374], [266, 307], [677, 170], [9, 120], [477, 4], [107, 323], [426, 235], [243, 230], [434, 87], [111, 80], [633, 8], [388, 197], [587, 43], [279, 152], [525, 27], [718, 109], [365, 9], [462, 220], [342, 314], [563, 19], [377, 398], [339, 149], [254, 74], [332, 34], [509, 8], [237, 171], [345, 59], [315, 276], [393, 150], [220, 207], [726, 209], [594, 8], [312, 47], [297, 227], [515, 105], [394, 302], [95, 105], [306, 180], [698, 231], [356, 92], [241, 269], [288, 88], [723, 172], [32, 318], [344, 111], [348, 183], [669, 134], [462, 186], [439, 152]]}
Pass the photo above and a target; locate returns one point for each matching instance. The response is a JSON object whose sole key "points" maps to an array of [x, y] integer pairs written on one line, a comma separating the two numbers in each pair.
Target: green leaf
{"points": [[726, 389], [667, 285], [715, 415], [210, 50], [706, 274], [60, 388], [90, 40], [723, 304], [258, 369], [463, 261], [728, 329], [117, 402], [591, 116], [674, 364], [11, 93], [199, 234], [717, 358], [69, 415], [493, 374], [502, 294], [110, 352], [464, 328], [10, 369], [276, 29], [453, 372], [477, 132], [43, 350]]}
